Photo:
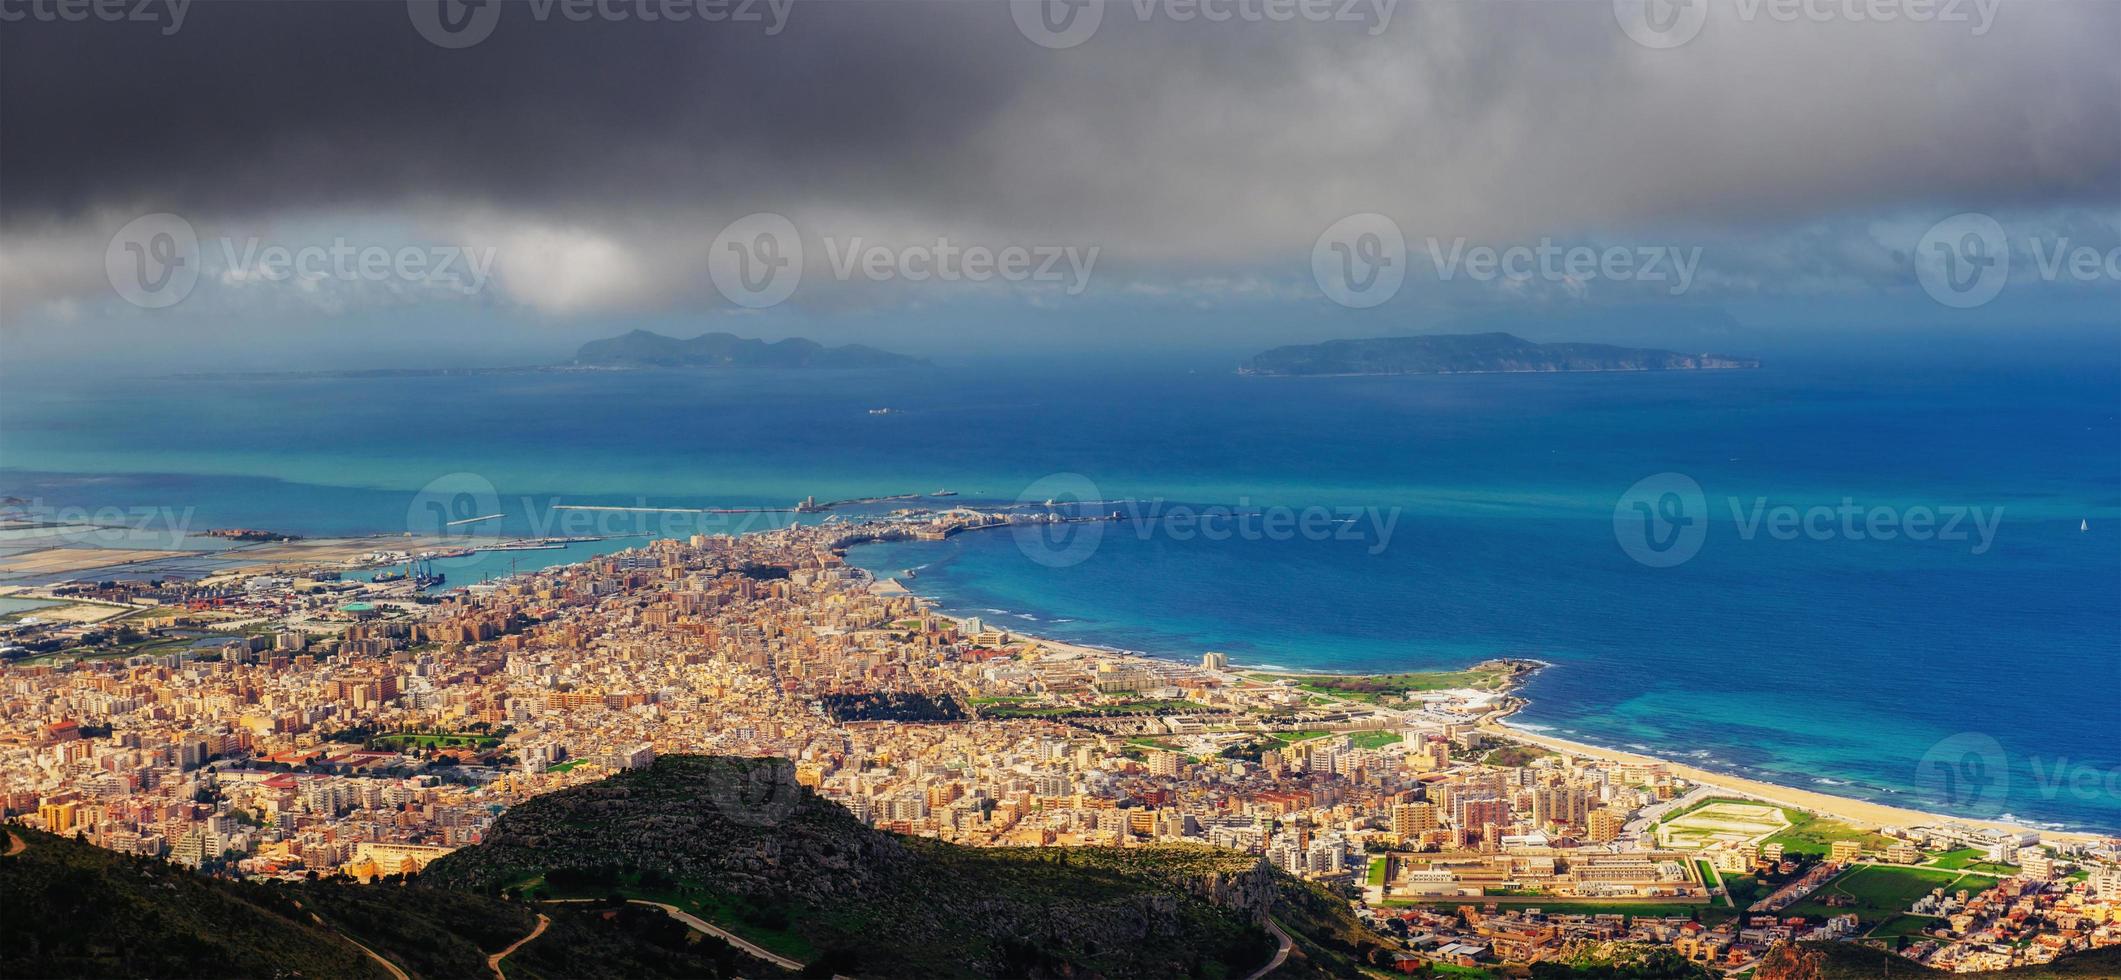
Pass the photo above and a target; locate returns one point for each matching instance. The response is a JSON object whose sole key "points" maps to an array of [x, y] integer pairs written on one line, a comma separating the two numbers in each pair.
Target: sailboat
{"points": [[2084, 525]]}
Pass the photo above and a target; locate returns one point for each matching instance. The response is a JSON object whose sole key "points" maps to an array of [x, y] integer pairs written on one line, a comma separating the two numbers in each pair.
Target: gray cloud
{"points": [[1202, 147]]}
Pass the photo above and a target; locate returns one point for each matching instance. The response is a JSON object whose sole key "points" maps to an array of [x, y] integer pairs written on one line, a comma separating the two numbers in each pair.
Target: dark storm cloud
{"points": [[264, 104], [609, 152]]}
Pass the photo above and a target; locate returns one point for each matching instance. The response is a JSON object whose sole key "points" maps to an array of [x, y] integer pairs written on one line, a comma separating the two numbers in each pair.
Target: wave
{"points": [[1527, 726]]}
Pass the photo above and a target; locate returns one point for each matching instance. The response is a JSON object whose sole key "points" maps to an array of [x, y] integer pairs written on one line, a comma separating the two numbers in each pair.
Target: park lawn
{"points": [[1377, 869], [1289, 738], [1883, 891], [1387, 687], [438, 740], [1971, 859], [1515, 756], [1815, 835], [1903, 925], [1375, 740]]}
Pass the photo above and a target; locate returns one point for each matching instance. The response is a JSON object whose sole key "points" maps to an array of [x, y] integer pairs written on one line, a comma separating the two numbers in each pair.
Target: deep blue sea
{"points": [[1451, 519]]}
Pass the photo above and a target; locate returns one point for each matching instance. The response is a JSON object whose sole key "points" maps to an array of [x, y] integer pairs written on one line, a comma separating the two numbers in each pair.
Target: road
{"points": [[494, 962], [372, 954], [15, 845], [707, 927], [1281, 955]]}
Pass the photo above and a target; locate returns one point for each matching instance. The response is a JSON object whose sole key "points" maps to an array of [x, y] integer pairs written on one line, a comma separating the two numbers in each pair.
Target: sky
{"points": [[382, 183]]}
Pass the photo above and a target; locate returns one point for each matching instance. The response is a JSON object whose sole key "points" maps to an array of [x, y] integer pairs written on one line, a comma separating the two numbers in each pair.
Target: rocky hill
{"points": [[740, 843], [734, 844], [76, 910], [1474, 353], [643, 348]]}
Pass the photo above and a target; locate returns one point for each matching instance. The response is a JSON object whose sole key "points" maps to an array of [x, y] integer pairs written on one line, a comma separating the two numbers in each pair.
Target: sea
{"points": [[1901, 584]]}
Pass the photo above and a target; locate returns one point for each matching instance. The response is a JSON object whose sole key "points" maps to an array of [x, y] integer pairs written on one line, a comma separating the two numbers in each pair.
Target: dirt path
{"points": [[15, 845], [709, 928], [372, 954], [494, 962]]}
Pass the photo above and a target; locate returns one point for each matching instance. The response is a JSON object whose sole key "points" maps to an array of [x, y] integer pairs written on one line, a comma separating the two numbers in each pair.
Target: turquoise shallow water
{"points": [[1825, 660]]}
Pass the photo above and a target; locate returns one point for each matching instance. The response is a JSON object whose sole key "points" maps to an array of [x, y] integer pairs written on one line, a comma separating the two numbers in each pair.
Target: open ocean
{"points": [[1455, 518]]}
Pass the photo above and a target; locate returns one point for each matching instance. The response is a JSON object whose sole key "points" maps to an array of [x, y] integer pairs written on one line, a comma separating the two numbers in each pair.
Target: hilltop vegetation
{"points": [[732, 841], [737, 842], [76, 910]]}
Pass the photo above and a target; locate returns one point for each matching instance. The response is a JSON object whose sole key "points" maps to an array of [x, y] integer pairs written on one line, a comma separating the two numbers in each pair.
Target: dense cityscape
{"points": [[293, 721]]}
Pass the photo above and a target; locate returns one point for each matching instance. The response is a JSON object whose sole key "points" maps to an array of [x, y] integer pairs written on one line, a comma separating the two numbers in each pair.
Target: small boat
{"points": [[2084, 525]]}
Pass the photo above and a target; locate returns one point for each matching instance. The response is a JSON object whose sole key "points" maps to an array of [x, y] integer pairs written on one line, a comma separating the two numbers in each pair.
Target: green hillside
{"points": [[737, 843]]}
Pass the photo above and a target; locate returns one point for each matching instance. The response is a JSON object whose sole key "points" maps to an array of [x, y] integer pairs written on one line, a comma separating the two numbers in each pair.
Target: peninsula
{"points": [[1473, 353]]}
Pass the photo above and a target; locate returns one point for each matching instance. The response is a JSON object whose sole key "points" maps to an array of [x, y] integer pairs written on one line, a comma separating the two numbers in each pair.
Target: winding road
{"points": [[1281, 955], [494, 962], [707, 927]]}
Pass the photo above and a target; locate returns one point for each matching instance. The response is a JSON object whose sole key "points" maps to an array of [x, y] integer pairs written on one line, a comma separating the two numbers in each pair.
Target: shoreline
{"points": [[1850, 809]]}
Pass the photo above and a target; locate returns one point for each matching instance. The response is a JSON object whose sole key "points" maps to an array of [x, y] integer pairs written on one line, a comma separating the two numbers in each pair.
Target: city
{"points": [[305, 724]]}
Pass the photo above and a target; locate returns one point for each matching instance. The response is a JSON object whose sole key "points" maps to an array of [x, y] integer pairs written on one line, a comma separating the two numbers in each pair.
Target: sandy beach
{"points": [[1854, 811]]}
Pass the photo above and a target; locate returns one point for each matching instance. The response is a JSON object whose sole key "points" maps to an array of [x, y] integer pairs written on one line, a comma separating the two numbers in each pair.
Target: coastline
{"points": [[1859, 812], [1855, 811]]}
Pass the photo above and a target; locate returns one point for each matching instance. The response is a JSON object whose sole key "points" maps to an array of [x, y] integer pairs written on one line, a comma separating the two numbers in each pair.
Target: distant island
{"points": [[645, 348], [1473, 353], [639, 349]]}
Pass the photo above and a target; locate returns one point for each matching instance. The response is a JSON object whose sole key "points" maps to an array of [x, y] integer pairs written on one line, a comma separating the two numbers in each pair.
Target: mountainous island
{"points": [[1473, 353], [646, 348]]}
